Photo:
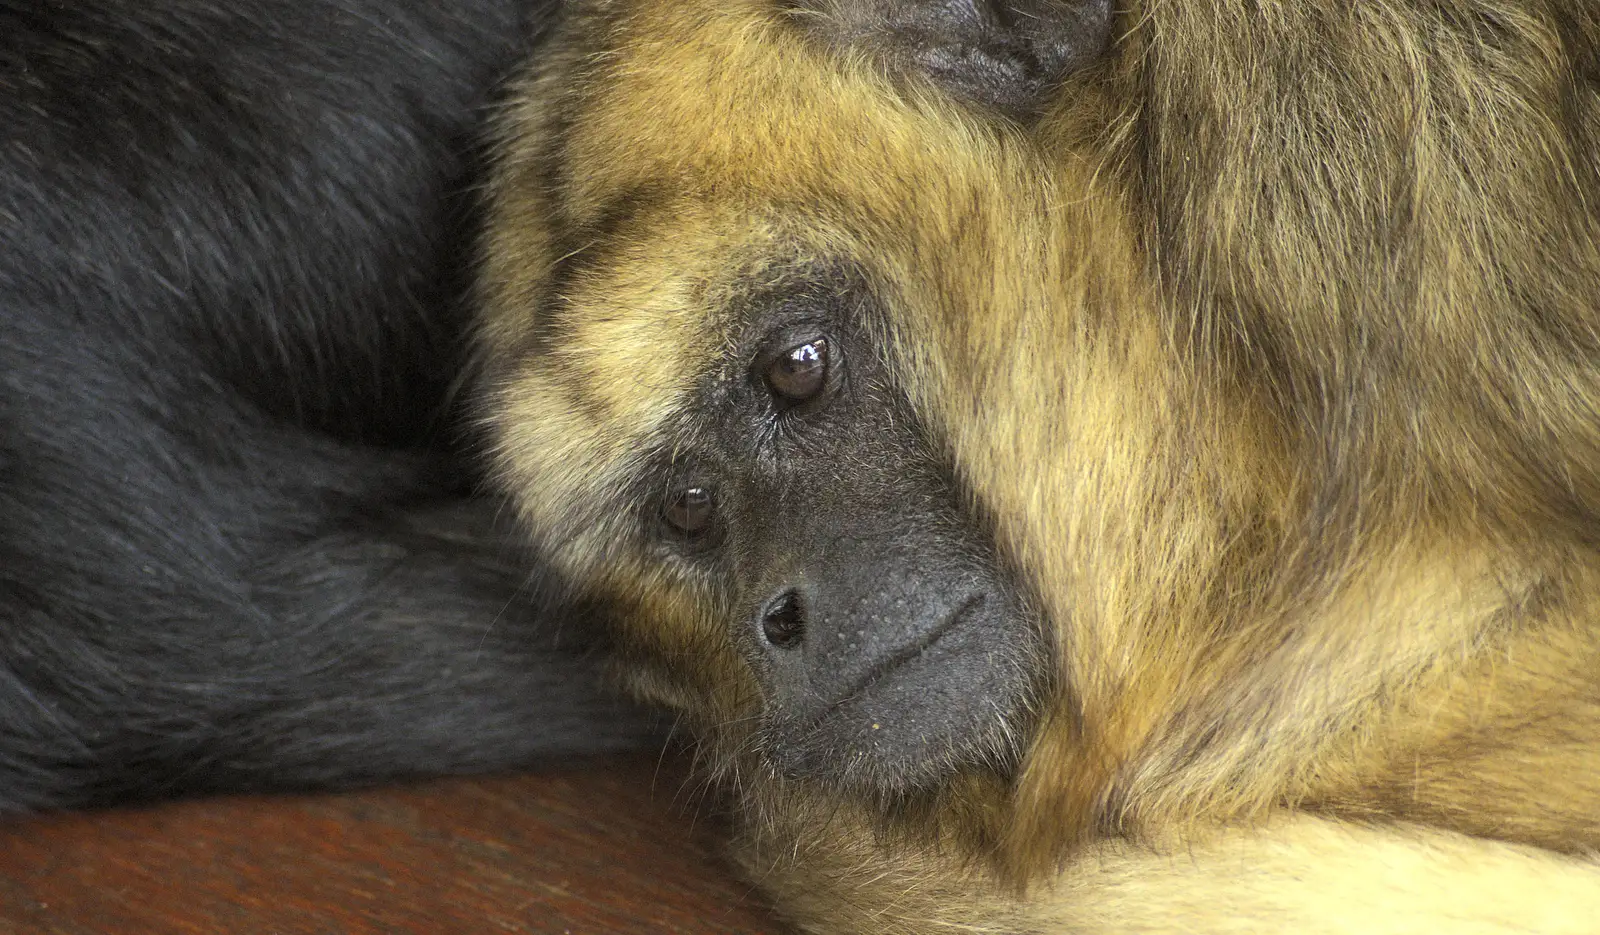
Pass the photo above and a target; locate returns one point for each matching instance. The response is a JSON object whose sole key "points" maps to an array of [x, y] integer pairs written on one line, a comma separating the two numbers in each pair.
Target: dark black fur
{"points": [[234, 549]]}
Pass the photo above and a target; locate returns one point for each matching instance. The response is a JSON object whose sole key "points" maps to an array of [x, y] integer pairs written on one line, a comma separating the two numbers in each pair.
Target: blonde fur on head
{"points": [[1269, 349]]}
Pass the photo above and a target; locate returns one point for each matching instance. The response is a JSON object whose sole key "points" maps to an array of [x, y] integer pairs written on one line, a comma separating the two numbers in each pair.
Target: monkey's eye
{"points": [[800, 373], [691, 510]]}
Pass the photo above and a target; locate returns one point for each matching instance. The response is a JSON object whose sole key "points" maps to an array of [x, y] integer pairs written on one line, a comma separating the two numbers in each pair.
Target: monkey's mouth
{"points": [[953, 696], [885, 669]]}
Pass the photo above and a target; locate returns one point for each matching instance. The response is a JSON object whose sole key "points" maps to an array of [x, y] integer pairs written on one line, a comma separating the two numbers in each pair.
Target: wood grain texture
{"points": [[613, 847]]}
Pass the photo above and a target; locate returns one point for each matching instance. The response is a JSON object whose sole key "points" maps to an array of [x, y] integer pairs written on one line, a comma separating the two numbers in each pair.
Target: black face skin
{"points": [[890, 646]]}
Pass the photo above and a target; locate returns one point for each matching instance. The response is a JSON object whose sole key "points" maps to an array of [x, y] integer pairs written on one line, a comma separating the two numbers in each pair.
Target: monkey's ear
{"points": [[1006, 54]]}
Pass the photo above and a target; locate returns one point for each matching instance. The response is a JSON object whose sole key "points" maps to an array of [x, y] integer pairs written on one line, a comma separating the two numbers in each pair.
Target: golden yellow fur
{"points": [[1272, 349], [1297, 874]]}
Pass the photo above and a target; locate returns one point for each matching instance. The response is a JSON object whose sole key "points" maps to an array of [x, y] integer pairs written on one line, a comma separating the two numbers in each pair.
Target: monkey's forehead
{"points": [[711, 96]]}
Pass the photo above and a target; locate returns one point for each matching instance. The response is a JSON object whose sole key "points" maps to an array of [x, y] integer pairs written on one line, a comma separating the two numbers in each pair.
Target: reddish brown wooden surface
{"points": [[611, 849]]}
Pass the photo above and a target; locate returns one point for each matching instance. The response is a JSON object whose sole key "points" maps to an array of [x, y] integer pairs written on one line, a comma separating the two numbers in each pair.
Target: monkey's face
{"points": [[808, 526], [736, 460], [783, 368]]}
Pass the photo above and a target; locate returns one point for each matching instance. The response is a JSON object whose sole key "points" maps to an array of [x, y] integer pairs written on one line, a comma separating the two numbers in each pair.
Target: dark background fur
{"points": [[236, 550]]}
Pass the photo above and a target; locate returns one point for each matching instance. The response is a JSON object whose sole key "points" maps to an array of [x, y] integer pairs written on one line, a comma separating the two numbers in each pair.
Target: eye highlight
{"points": [[691, 510], [800, 373]]}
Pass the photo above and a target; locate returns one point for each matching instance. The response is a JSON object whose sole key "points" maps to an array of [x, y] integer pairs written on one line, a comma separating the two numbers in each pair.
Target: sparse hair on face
{"points": [[1212, 464]]}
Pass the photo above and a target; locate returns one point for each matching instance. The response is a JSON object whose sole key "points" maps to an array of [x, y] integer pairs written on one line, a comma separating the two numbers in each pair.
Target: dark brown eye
{"points": [[691, 510], [800, 373]]}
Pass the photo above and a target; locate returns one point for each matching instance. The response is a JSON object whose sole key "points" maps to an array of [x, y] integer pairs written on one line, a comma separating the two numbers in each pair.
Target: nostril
{"points": [[784, 623]]}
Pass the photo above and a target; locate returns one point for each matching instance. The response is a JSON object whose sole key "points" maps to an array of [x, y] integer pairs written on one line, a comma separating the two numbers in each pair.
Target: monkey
{"points": [[1081, 467], [242, 541]]}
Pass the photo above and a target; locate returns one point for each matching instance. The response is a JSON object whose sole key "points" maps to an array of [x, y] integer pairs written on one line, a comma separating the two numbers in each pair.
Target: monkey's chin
{"points": [[957, 707]]}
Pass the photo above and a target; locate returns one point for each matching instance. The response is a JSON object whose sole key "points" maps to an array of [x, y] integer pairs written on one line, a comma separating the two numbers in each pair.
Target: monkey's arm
{"points": [[1295, 874]]}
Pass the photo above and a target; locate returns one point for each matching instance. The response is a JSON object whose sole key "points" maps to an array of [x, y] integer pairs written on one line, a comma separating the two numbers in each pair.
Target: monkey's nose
{"points": [[783, 620], [823, 645]]}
